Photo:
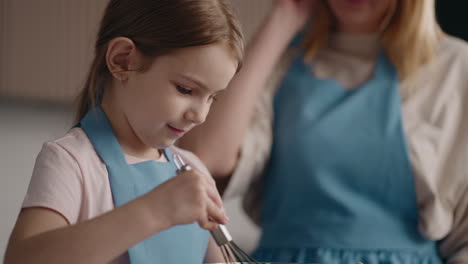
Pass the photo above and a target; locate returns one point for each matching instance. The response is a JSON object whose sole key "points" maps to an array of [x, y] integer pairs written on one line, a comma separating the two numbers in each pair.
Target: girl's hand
{"points": [[295, 12], [188, 197]]}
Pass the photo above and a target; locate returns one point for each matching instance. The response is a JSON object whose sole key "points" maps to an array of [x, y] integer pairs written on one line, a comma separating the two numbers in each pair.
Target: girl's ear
{"points": [[121, 57]]}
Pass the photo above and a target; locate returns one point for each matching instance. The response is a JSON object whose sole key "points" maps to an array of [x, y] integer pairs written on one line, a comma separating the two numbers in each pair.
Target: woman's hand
{"points": [[295, 12], [188, 197]]}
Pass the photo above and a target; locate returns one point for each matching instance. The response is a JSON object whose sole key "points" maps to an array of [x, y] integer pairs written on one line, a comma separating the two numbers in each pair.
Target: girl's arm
{"points": [[44, 236], [217, 142]]}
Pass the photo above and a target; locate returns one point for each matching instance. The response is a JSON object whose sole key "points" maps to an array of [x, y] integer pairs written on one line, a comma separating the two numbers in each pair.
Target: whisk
{"points": [[231, 252]]}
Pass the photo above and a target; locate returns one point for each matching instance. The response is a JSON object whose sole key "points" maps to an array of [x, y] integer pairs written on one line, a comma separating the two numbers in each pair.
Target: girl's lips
{"points": [[176, 131]]}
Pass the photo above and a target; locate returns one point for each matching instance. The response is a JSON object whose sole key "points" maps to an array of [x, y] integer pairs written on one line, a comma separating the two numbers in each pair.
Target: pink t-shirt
{"points": [[71, 179]]}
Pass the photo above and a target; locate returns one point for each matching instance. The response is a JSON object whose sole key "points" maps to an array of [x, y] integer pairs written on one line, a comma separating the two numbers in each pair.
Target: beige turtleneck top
{"points": [[435, 120], [356, 56]]}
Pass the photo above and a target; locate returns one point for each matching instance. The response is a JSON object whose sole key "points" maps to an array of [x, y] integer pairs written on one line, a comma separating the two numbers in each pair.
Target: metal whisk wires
{"points": [[231, 252]]}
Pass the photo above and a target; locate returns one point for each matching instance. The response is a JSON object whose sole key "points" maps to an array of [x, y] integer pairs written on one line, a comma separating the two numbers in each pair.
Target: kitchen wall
{"points": [[46, 46]]}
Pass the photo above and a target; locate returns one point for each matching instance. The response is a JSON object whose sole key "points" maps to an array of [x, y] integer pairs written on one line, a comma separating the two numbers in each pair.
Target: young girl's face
{"points": [[175, 93], [360, 15]]}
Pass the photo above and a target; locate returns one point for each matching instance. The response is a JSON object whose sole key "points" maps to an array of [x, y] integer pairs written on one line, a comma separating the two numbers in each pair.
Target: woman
{"points": [[365, 157]]}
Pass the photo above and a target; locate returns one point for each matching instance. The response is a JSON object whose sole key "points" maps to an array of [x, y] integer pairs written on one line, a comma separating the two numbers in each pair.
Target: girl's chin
{"points": [[165, 144]]}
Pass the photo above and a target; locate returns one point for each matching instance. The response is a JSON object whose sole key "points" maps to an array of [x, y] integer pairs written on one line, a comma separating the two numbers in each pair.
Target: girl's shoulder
{"points": [[74, 146], [71, 174], [75, 142]]}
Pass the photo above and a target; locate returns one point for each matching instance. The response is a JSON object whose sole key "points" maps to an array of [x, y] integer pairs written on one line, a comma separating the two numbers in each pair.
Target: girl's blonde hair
{"points": [[409, 34], [158, 27]]}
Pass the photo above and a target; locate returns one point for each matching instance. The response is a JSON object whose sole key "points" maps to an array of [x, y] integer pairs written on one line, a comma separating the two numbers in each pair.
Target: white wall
{"points": [[23, 129]]}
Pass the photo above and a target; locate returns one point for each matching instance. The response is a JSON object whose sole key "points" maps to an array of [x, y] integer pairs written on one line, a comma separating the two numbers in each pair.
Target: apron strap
{"points": [[99, 131]]}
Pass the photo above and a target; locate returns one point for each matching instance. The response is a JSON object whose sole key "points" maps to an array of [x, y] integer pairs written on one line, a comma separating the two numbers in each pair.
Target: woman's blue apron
{"points": [[339, 187], [180, 244]]}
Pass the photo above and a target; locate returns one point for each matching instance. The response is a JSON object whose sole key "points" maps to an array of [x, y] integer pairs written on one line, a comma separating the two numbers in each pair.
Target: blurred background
{"points": [[45, 49]]}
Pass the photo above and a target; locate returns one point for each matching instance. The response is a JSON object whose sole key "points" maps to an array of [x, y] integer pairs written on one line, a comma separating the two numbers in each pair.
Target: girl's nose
{"points": [[197, 114]]}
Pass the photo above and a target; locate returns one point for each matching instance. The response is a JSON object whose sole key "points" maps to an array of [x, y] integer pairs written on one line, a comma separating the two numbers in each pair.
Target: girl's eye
{"points": [[183, 90]]}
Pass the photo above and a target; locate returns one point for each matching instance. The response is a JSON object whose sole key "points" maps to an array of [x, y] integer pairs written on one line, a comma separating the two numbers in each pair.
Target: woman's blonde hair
{"points": [[409, 34], [158, 27]]}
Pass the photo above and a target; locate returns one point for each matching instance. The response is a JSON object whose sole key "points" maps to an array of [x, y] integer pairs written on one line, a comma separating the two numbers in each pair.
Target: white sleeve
{"points": [[454, 186], [455, 245]]}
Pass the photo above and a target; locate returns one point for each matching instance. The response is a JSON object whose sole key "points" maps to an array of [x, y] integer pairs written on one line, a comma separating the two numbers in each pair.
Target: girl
{"points": [[368, 154], [157, 68]]}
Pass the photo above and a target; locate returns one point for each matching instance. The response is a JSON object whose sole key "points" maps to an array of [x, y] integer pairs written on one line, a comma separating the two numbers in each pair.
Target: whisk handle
{"points": [[221, 235]]}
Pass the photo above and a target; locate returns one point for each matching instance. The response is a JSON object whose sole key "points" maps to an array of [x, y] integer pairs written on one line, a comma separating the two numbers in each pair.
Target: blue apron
{"points": [[180, 244], [339, 187]]}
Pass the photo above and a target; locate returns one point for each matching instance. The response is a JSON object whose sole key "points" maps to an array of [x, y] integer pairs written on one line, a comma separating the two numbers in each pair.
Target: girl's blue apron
{"points": [[179, 244], [339, 187]]}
